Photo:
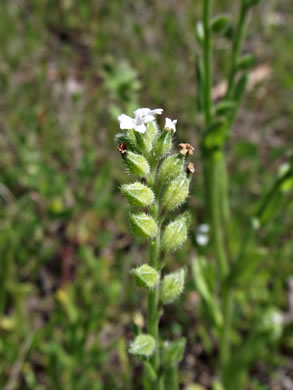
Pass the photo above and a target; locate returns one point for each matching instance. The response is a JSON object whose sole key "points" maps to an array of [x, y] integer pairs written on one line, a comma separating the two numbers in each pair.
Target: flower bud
{"points": [[163, 144], [175, 233], [176, 192], [143, 345], [144, 142], [171, 167], [137, 164], [146, 276], [172, 286], [143, 225], [138, 194]]}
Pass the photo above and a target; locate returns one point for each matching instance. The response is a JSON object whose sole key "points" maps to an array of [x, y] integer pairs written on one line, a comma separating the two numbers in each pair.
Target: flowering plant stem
{"points": [[214, 167], [164, 187]]}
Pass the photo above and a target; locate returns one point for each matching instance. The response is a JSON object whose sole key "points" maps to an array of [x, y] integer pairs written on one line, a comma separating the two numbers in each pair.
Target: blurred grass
{"points": [[67, 68]]}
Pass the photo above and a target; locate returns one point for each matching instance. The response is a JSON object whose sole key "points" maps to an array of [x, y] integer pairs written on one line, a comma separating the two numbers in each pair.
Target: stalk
{"points": [[212, 175], [207, 60], [153, 295]]}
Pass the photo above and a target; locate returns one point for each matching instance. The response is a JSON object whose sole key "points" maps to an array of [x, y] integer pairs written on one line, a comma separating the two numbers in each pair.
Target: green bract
{"points": [[163, 144], [172, 286], [138, 194], [143, 225], [173, 351], [143, 345], [146, 276]]}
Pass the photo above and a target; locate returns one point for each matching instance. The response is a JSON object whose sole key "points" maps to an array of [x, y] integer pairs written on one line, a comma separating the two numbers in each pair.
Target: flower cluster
{"points": [[163, 187]]}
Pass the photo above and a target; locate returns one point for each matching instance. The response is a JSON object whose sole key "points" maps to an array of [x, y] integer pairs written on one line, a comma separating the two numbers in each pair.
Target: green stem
{"points": [[212, 176], [153, 316], [225, 345], [207, 54], [237, 47]]}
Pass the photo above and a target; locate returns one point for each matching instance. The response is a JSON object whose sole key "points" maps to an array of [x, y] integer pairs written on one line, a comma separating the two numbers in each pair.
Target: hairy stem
{"points": [[153, 316]]}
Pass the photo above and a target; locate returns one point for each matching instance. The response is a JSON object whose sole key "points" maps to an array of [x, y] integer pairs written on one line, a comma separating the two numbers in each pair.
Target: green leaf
{"points": [[216, 134], [239, 87], [143, 345], [199, 270], [173, 351], [224, 107], [220, 24], [246, 62]]}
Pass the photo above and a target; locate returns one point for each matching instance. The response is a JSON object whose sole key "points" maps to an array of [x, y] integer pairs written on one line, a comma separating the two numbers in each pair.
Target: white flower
{"points": [[141, 116], [204, 228], [170, 125], [202, 239]]}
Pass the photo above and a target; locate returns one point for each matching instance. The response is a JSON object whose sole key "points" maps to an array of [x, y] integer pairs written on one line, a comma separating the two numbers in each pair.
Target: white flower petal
{"points": [[202, 239], [141, 112], [157, 111], [140, 128], [126, 122], [170, 124], [204, 228], [148, 118]]}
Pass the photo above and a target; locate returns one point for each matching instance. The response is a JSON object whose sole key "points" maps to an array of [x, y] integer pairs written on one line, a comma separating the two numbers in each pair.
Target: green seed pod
{"points": [[172, 286], [163, 144], [171, 167], [143, 225], [175, 233], [143, 345], [137, 164], [146, 276], [176, 192], [138, 194]]}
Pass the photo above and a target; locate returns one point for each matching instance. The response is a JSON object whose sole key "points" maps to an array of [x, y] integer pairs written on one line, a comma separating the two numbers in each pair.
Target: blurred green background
{"points": [[67, 69]]}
